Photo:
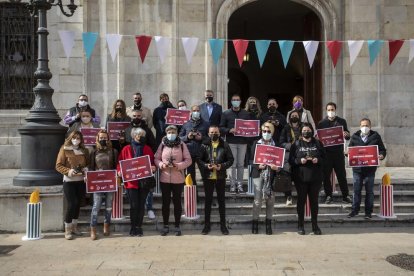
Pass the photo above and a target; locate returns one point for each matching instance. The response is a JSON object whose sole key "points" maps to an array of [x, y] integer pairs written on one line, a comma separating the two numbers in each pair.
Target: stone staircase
{"points": [[239, 211]]}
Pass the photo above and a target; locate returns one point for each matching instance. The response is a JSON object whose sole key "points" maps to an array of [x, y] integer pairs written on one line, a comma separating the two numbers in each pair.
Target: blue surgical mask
{"points": [[235, 104], [196, 115], [171, 136], [266, 136]]}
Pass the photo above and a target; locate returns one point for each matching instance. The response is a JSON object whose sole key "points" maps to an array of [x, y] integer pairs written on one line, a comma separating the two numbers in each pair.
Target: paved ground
{"points": [[338, 251]]}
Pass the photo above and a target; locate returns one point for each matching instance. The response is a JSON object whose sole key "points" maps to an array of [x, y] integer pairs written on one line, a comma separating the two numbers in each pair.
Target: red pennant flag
{"points": [[394, 46], [143, 43], [334, 48], [240, 45]]}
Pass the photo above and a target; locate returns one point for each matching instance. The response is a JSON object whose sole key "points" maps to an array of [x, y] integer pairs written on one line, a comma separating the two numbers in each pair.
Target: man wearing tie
{"points": [[210, 111]]}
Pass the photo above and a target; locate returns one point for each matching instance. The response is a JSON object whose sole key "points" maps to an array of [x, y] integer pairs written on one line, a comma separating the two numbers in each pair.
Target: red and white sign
{"points": [[190, 202], [269, 155], [363, 156], [115, 127], [331, 136], [89, 135], [135, 168], [246, 128], [101, 181], [387, 202], [177, 117]]}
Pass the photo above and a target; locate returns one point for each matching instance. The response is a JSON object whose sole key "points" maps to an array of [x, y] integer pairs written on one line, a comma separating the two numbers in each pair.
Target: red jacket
{"points": [[128, 153]]}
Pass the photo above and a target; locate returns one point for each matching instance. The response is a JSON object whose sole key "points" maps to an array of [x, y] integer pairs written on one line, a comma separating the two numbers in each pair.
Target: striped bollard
{"points": [[250, 188], [190, 202], [33, 222], [387, 202], [157, 189], [307, 209], [118, 204], [333, 182]]}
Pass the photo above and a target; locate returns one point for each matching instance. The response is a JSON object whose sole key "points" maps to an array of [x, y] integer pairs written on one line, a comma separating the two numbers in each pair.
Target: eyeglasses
{"points": [[266, 131]]}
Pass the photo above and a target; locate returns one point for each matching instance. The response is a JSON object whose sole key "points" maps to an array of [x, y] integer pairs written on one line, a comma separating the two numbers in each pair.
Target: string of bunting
{"points": [[163, 45]]}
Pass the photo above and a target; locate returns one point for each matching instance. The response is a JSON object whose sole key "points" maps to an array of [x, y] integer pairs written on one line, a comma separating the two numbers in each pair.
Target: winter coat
{"points": [[194, 145], [338, 121], [68, 159], [224, 158]]}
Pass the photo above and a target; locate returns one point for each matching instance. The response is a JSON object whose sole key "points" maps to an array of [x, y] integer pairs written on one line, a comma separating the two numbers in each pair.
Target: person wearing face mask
{"points": [[253, 106], [136, 194], [215, 157], [118, 114], [365, 175], [210, 111], [73, 115], [275, 117], [290, 134], [304, 114], [72, 162], [192, 134], [159, 117], [172, 158], [146, 112], [104, 157], [306, 158], [182, 105], [85, 122], [335, 158], [238, 144], [262, 175]]}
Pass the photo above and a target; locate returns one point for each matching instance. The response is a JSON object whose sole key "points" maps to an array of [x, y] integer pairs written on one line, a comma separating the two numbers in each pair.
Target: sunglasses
{"points": [[266, 131]]}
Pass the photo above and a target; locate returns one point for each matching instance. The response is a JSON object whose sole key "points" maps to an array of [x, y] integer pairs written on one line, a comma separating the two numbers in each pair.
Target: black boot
{"points": [[206, 229], [255, 226], [301, 228], [315, 228], [269, 227], [223, 228]]}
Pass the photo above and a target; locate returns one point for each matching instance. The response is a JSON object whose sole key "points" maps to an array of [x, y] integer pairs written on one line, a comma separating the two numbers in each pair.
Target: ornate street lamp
{"points": [[42, 135]]}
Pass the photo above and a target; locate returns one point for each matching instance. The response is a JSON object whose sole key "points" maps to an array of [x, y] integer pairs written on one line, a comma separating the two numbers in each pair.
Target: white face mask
{"points": [[83, 103], [365, 130], [75, 142], [195, 115], [182, 108], [86, 120], [331, 114], [266, 136]]}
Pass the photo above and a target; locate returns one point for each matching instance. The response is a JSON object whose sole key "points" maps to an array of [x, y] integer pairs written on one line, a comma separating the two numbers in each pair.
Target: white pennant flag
{"points": [[113, 41], [311, 47], [411, 56], [68, 41], [355, 47], [162, 44], [190, 45]]}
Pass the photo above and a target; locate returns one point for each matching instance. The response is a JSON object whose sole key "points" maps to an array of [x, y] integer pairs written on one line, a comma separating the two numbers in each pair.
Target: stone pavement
{"points": [[351, 251]]}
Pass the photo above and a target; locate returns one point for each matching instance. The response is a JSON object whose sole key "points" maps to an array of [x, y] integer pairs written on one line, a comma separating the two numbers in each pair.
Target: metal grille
{"points": [[18, 56]]}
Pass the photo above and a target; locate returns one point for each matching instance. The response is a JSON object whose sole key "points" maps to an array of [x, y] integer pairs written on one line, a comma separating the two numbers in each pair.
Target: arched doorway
{"points": [[277, 20]]}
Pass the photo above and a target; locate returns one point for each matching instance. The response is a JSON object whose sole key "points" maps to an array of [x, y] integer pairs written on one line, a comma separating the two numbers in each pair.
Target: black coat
{"points": [[158, 119], [228, 120], [149, 136], [224, 158], [373, 139], [286, 138], [255, 173], [277, 116], [194, 145], [338, 121], [307, 172]]}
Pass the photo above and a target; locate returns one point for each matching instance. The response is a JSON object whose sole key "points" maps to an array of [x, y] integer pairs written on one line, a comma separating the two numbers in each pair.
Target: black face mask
{"points": [[137, 102], [253, 107], [102, 143], [272, 109], [306, 134], [209, 99], [166, 104], [215, 137], [142, 140], [136, 122], [294, 120], [118, 109]]}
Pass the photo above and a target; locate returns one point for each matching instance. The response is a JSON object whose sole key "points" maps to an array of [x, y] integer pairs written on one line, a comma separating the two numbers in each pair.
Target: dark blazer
{"points": [[215, 117]]}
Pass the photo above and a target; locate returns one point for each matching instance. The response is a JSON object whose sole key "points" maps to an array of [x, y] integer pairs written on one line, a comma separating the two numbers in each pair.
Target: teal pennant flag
{"points": [[216, 46], [374, 47], [261, 48], [286, 47], [89, 40]]}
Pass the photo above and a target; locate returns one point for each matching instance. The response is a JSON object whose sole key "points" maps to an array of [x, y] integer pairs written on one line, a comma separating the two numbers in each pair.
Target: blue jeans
{"points": [[148, 201], [97, 202], [367, 179]]}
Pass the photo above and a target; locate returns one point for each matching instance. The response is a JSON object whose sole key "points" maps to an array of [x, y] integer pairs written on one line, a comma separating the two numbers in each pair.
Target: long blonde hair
{"points": [[247, 107], [108, 143], [123, 111]]}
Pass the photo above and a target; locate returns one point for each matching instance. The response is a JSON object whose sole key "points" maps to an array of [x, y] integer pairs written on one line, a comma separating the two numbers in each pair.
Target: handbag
{"points": [[282, 182], [147, 183]]}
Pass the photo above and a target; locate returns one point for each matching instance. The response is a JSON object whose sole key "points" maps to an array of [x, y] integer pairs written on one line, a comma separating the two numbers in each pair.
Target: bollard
{"points": [[387, 202], [190, 202], [33, 222], [118, 204]]}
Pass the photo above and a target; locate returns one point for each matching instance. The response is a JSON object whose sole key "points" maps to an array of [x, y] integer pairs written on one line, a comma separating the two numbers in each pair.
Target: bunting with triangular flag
{"points": [[143, 42], [68, 41], [311, 48], [394, 47], [355, 47], [261, 48], [190, 45], [89, 41], [374, 48], [334, 49], [411, 55], [113, 41], [286, 47], [162, 44], [216, 47], [240, 46]]}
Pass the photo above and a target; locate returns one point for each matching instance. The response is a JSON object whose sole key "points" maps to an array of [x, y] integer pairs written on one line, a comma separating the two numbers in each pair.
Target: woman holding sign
{"points": [[172, 157], [306, 157], [72, 161], [136, 194], [104, 157], [118, 114], [262, 175]]}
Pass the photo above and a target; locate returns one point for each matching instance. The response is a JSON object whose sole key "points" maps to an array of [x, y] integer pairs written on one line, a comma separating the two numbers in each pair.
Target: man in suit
{"points": [[210, 111]]}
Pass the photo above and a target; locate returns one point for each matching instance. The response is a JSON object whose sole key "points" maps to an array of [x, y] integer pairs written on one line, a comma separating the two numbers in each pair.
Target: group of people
{"points": [[208, 140]]}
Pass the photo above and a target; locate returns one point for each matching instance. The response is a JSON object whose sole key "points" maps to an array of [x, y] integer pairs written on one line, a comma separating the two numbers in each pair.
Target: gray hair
{"points": [[137, 131]]}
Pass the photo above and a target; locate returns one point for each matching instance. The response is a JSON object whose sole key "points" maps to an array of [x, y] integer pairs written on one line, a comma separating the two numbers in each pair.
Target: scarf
{"points": [[171, 144], [138, 148], [265, 175]]}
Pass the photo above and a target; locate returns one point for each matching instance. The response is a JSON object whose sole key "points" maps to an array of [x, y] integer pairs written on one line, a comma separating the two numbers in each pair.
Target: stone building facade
{"points": [[382, 92]]}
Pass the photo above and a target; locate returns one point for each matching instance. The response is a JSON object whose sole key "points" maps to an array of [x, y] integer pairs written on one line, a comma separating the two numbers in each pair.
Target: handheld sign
{"points": [[246, 128], [363, 156], [115, 127], [269, 155], [331, 136], [177, 117], [135, 168], [89, 135], [101, 181]]}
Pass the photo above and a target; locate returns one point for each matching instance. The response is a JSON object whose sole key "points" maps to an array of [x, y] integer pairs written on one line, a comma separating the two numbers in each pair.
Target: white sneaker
{"points": [[151, 214], [289, 201], [233, 188], [240, 189]]}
